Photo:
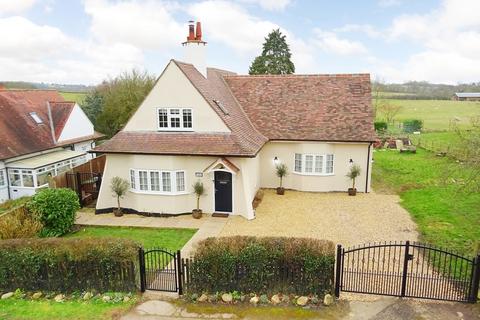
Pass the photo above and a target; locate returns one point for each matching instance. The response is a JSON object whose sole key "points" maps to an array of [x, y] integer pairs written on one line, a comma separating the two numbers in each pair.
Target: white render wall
{"points": [[255, 173], [174, 90], [4, 188], [343, 152], [85, 146], [77, 125], [120, 165]]}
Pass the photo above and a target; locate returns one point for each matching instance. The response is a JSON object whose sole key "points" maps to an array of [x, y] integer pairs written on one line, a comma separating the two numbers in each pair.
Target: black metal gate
{"points": [[85, 184], [160, 270], [407, 270]]}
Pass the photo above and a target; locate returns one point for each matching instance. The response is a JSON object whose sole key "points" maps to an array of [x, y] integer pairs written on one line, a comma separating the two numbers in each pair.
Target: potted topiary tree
{"points": [[199, 190], [352, 175], [119, 188], [281, 171]]}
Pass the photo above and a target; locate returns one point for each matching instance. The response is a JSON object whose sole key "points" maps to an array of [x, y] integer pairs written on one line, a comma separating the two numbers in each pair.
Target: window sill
{"points": [[175, 129], [159, 193], [314, 174]]}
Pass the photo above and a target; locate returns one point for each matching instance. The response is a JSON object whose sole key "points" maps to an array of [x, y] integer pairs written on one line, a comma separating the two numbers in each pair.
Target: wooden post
{"points": [[475, 280], [338, 271]]}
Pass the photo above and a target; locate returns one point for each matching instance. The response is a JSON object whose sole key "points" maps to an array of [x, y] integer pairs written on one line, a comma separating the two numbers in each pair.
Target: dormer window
{"points": [[175, 119], [36, 118]]}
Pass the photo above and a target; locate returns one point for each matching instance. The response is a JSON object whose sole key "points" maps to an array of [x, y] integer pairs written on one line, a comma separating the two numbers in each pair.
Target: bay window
{"points": [[175, 119], [3, 180], [313, 164], [157, 181]]}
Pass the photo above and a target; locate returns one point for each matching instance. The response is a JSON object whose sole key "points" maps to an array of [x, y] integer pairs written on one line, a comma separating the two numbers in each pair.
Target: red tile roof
{"points": [[19, 132], [261, 108], [307, 107]]}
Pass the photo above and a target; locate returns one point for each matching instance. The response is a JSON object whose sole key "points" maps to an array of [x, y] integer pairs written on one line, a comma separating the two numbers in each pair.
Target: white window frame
{"points": [[169, 117], [314, 162], [3, 178], [173, 182]]}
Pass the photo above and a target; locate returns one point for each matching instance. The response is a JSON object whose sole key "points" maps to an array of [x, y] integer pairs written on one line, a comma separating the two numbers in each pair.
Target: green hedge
{"points": [[380, 126], [67, 265], [262, 265], [410, 126], [56, 209]]}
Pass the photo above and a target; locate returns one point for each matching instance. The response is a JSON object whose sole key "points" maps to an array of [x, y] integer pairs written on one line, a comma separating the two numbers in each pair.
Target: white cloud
{"points": [[368, 29], [232, 25], [144, 24], [449, 37], [271, 5], [15, 6], [32, 52], [331, 43]]}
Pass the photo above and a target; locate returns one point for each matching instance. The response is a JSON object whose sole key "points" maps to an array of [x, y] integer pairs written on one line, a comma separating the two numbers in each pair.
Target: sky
{"points": [[85, 42]]}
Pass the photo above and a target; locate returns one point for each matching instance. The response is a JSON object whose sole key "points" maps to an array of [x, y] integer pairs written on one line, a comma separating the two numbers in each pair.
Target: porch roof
{"points": [[45, 159]]}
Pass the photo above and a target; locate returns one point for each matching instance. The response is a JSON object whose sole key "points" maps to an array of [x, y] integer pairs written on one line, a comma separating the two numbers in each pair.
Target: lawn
{"points": [[78, 97], [173, 239], [18, 309], [436, 114], [431, 190]]}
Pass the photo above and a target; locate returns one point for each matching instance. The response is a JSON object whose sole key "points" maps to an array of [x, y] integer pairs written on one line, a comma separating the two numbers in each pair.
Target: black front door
{"points": [[223, 191]]}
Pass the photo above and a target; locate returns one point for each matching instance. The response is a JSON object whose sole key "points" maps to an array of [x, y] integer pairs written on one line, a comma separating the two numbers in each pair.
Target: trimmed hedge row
{"points": [[262, 265], [67, 265]]}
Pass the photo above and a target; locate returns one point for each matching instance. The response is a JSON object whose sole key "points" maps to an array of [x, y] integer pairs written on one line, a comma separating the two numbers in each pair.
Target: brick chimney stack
{"points": [[195, 47]]}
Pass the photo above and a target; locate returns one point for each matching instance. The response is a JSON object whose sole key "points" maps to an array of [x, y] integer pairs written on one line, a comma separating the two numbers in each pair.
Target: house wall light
{"points": [[351, 161], [275, 160]]}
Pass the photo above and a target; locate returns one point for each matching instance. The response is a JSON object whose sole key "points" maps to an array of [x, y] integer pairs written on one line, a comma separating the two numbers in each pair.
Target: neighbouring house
{"points": [[466, 96], [41, 135], [229, 131]]}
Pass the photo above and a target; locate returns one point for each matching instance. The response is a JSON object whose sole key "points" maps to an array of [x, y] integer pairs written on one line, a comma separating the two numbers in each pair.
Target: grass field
{"points": [[431, 190], [74, 96], [18, 309], [173, 239], [436, 114]]}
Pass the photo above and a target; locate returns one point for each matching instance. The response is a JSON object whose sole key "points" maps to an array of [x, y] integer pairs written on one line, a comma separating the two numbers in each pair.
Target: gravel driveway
{"points": [[333, 216]]}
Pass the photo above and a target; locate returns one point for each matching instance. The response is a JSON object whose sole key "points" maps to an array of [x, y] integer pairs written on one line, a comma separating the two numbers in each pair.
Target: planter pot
{"points": [[197, 214], [352, 191], [117, 213], [280, 191]]}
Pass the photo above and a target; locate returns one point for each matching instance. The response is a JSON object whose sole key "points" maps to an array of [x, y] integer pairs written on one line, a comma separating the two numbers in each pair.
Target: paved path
{"points": [[381, 308], [207, 226]]}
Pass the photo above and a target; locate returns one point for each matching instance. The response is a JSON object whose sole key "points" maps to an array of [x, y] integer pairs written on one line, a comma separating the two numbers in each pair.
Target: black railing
{"points": [[407, 270]]}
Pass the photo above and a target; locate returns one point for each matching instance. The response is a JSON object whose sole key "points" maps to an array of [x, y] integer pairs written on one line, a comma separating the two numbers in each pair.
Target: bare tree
{"points": [[389, 110]]}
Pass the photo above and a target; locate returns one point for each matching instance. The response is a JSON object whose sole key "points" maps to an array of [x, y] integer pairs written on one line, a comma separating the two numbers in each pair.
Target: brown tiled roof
{"points": [[186, 143], [261, 108], [19, 133], [307, 107]]}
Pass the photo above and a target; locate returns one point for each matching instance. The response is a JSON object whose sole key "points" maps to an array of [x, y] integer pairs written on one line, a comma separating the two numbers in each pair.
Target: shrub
{"points": [[199, 190], [281, 170], [380, 126], [262, 265], [354, 173], [412, 125], [119, 187], [56, 210], [19, 223], [66, 265]]}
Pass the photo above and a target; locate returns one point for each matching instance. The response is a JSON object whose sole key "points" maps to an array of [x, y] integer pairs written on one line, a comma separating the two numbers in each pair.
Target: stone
{"points": [[302, 301], [59, 298], [126, 299], [459, 314], [7, 295], [227, 297], [254, 300], [87, 296], [37, 295], [328, 300], [285, 299], [203, 298], [275, 299], [106, 298]]}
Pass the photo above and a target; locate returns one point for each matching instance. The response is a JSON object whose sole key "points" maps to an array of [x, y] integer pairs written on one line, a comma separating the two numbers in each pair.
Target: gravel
{"points": [[343, 219]]}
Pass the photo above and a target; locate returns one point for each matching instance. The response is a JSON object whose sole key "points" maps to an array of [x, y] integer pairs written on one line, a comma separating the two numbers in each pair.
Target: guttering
{"points": [[368, 167]]}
